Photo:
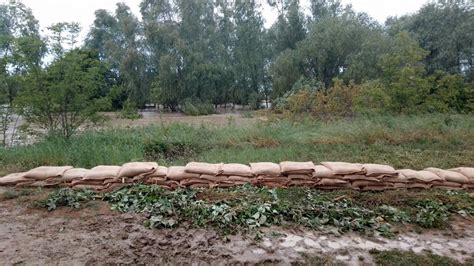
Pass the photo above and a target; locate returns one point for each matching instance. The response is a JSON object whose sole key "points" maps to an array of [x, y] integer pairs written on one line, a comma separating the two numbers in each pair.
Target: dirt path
{"points": [[97, 235]]}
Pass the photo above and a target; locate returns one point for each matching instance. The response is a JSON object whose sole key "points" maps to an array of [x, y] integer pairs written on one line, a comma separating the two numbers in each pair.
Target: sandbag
{"points": [[269, 169], [236, 169], [13, 179], [192, 181], [161, 171], [360, 178], [332, 182], [103, 172], [378, 170], [178, 173], [242, 180], [152, 180], [215, 179], [450, 176], [204, 168], [301, 177], [302, 183], [418, 176], [445, 184], [418, 185], [468, 186], [341, 168], [137, 168], [288, 168], [89, 187], [96, 182], [321, 171], [45, 172], [466, 171], [75, 173], [273, 179], [362, 183]]}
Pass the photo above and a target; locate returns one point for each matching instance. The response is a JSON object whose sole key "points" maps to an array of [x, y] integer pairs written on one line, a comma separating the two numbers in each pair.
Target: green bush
{"points": [[194, 107]]}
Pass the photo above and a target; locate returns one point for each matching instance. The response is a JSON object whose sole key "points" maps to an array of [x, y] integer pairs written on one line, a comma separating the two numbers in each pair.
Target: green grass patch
{"points": [[402, 258], [417, 142]]}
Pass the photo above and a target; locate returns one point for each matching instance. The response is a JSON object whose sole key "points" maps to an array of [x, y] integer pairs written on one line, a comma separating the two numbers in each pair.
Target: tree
{"points": [[68, 97]]}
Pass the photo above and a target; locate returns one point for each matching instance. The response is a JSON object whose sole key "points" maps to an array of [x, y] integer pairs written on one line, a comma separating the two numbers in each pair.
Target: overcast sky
{"points": [[82, 11]]}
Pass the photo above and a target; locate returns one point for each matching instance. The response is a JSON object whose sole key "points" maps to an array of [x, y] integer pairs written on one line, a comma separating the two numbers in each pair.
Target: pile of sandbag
{"points": [[326, 176]]}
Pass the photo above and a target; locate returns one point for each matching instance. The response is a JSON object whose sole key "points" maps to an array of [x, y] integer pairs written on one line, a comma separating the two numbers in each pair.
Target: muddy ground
{"points": [[96, 235]]}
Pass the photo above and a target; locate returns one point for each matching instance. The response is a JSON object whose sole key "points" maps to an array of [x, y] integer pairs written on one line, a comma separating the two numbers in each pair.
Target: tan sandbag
{"points": [[200, 185], [341, 168], [269, 169], [45, 172], [301, 177], [119, 180], [378, 170], [399, 178], [137, 168], [321, 171], [87, 182], [75, 173], [332, 182], [288, 168], [152, 180], [103, 172], [204, 168], [362, 183], [273, 179], [236, 169], [446, 187], [418, 185], [376, 188], [468, 186], [450, 176], [161, 171], [13, 179], [242, 180], [360, 178], [192, 181], [418, 176], [303, 183], [466, 171], [43, 183], [430, 176], [25, 183], [445, 184], [178, 173], [215, 179], [400, 185]]}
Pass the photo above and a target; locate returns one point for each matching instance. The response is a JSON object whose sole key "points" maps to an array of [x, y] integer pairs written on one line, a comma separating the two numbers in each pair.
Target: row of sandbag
{"points": [[327, 175]]}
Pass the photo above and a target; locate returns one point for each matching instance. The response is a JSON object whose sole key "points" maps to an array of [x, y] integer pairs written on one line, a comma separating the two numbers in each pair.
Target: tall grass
{"points": [[403, 141]]}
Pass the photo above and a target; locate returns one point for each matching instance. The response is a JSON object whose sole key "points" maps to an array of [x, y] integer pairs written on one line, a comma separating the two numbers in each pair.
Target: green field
{"points": [[410, 142]]}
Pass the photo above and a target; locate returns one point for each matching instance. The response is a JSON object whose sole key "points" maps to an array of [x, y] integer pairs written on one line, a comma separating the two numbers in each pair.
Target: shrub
{"points": [[129, 111], [195, 107], [156, 150]]}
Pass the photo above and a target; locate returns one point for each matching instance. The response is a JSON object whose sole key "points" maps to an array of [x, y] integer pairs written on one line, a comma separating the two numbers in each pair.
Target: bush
{"points": [[195, 107], [129, 111], [155, 150]]}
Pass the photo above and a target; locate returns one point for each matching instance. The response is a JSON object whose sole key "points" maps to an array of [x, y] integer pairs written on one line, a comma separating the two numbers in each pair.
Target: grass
{"points": [[404, 141], [402, 258], [248, 208]]}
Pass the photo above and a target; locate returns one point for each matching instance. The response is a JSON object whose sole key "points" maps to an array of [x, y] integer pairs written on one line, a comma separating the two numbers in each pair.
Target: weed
{"points": [[66, 197], [399, 258]]}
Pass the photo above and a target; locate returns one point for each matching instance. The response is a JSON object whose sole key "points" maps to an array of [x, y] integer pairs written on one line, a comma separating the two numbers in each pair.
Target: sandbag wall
{"points": [[326, 176]]}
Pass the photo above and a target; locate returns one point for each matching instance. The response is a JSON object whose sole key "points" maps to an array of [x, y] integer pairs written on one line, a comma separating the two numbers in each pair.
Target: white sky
{"points": [[82, 11]]}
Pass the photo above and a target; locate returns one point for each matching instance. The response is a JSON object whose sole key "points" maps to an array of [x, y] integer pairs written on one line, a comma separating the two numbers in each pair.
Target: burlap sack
{"points": [[341, 168], [468, 186], [301, 177], [273, 179], [242, 179], [466, 171], [153, 180], [450, 176], [95, 182], [13, 179], [360, 178], [362, 183], [137, 168], [178, 173], [269, 169], [45, 172], [445, 184], [215, 179], [236, 170], [331, 182], [378, 170], [204, 168], [192, 181], [75, 173], [103, 172], [418, 185], [161, 171], [321, 171], [303, 183], [288, 168], [89, 187], [418, 176]]}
